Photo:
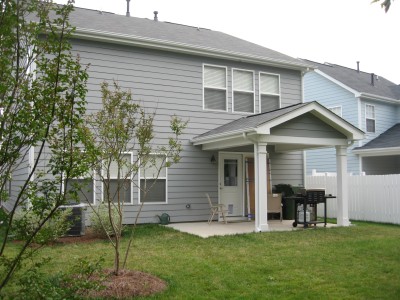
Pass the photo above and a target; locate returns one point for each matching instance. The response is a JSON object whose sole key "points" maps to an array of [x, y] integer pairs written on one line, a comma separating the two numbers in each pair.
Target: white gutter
{"points": [[378, 151], [221, 136], [379, 98], [125, 39]]}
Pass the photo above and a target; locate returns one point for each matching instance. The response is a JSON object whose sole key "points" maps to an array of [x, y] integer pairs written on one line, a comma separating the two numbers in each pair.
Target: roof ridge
{"points": [[97, 10], [328, 64]]}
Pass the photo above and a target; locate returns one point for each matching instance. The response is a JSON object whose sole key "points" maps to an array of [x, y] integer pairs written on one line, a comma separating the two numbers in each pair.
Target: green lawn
{"points": [[358, 262]]}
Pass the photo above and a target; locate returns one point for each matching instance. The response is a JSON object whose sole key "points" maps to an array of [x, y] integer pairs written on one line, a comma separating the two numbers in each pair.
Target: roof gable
{"points": [[305, 126], [358, 81], [266, 123]]}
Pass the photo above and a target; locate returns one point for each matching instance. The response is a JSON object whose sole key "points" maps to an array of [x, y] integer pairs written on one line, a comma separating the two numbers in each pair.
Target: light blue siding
{"points": [[329, 94], [386, 116]]}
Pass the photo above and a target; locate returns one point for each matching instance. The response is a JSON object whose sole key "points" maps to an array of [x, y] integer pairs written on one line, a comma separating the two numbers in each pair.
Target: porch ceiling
{"points": [[297, 127]]}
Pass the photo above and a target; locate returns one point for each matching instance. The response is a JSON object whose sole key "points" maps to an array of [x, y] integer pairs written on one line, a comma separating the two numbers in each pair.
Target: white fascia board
{"points": [[221, 136], [378, 151], [124, 39], [341, 84], [352, 132], [235, 142], [266, 127], [320, 112], [379, 98], [306, 141]]}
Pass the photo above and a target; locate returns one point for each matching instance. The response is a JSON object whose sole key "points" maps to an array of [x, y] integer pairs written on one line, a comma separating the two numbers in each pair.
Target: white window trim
{"points": [[166, 182], [220, 89], [270, 94], [337, 106], [365, 114], [102, 183], [243, 91]]}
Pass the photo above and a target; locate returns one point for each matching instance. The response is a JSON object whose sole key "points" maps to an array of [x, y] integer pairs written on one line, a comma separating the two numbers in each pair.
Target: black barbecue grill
{"points": [[306, 203]]}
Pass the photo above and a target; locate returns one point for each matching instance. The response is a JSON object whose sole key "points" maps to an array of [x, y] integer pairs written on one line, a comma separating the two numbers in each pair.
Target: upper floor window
{"points": [[243, 91], [269, 92], [337, 110], [214, 83], [370, 118], [153, 180]]}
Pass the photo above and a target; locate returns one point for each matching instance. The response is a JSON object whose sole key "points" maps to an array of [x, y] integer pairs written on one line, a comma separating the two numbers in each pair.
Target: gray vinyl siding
{"points": [[306, 125], [287, 168], [172, 84], [18, 178], [329, 94]]}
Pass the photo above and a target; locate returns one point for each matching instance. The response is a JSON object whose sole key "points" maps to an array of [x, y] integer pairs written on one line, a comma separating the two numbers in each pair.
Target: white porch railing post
{"points": [[261, 217], [342, 187]]}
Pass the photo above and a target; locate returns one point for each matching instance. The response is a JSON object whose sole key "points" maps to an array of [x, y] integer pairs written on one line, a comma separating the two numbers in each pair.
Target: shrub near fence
{"points": [[371, 198]]}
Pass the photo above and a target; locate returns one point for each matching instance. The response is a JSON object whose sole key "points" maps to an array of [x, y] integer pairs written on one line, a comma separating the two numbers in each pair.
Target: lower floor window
{"points": [[153, 190], [120, 190], [80, 190], [153, 180]]}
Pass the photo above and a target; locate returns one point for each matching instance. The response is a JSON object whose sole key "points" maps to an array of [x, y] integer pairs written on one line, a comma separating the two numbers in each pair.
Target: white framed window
{"points": [[215, 88], [119, 185], [153, 180], [80, 189], [270, 92], [243, 91], [337, 110], [84, 187], [370, 118]]}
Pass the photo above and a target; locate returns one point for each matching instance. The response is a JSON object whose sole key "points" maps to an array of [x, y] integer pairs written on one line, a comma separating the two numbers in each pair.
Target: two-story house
{"points": [[369, 102], [244, 104]]}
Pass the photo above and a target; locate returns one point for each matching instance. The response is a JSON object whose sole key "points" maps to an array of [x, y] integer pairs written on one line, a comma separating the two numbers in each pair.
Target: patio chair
{"points": [[216, 209]]}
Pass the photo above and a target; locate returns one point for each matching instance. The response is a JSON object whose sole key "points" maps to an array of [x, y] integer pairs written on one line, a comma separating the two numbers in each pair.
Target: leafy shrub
{"points": [[26, 222], [100, 220], [80, 278]]}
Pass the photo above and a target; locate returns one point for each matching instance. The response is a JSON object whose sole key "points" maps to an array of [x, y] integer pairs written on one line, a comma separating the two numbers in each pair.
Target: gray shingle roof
{"points": [[250, 122], [173, 33], [360, 81], [389, 139]]}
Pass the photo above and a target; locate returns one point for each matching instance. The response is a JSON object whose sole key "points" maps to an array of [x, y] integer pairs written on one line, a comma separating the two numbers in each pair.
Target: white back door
{"points": [[231, 183]]}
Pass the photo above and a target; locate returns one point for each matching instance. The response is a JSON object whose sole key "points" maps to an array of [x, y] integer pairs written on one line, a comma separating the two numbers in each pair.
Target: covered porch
{"points": [[286, 130]]}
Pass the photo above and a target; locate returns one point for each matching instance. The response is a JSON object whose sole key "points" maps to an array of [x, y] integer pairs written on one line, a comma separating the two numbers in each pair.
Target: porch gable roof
{"points": [[262, 124]]}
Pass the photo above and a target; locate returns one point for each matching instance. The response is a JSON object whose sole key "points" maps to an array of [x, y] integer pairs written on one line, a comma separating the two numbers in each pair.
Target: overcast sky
{"points": [[335, 31]]}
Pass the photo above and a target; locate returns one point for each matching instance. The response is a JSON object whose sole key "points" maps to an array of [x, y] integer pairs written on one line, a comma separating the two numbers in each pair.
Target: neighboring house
{"points": [[243, 103], [369, 102]]}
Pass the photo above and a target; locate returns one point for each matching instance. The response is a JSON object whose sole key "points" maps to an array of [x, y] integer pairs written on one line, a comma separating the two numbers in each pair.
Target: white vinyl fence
{"points": [[371, 198]]}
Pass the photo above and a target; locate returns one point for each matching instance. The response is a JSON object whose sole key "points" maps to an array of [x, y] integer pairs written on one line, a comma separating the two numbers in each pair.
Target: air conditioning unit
{"points": [[77, 219]]}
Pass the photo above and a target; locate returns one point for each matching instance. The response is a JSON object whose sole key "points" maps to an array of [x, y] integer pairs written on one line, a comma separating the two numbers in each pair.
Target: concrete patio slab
{"points": [[205, 230]]}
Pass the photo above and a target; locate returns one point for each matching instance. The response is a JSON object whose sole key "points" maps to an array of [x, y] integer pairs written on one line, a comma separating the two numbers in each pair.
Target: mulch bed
{"points": [[127, 284]]}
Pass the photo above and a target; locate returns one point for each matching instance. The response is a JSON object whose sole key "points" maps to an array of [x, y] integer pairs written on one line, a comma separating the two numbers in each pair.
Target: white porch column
{"points": [[260, 163], [342, 187]]}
